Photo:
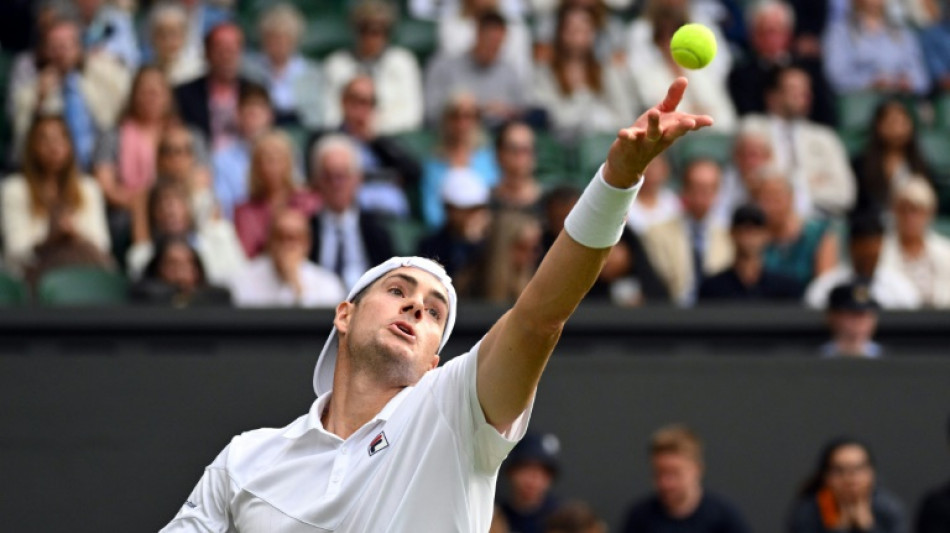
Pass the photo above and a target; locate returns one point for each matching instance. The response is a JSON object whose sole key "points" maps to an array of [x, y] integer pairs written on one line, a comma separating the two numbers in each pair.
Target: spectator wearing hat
{"points": [[852, 319], [934, 514], [748, 279], [459, 242], [889, 287], [913, 248], [394, 70], [531, 469], [680, 502]]}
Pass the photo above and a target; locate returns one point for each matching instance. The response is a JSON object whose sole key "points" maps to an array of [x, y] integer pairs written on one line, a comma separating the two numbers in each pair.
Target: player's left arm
{"points": [[516, 349]]}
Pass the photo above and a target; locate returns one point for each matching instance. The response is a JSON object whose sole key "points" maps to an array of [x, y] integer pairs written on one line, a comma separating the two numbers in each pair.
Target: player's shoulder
{"points": [[252, 449]]}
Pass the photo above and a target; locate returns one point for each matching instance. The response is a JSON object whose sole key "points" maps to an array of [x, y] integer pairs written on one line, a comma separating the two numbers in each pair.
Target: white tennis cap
{"points": [[464, 188], [326, 363]]}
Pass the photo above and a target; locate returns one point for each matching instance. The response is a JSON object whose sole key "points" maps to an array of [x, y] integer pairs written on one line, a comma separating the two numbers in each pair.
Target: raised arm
{"points": [[516, 349]]}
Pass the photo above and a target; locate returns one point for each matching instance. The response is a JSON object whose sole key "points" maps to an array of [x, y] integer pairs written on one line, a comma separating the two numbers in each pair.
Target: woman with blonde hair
{"points": [[50, 180], [272, 187], [509, 260]]}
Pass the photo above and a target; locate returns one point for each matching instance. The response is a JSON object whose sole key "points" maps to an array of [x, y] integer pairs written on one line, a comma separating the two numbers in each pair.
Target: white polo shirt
{"points": [[427, 462]]}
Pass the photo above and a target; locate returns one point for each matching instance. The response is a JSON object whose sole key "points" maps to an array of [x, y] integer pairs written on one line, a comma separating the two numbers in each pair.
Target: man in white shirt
{"points": [[283, 277], [393, 443]]}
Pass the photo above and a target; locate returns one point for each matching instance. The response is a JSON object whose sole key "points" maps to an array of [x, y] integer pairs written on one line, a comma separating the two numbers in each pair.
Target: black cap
{"points": [[536, 448], [855, 296], [748, 215]]}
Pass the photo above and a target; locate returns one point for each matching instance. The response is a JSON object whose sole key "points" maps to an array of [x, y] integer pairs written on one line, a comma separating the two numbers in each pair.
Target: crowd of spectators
{"points": [[209, 152]]}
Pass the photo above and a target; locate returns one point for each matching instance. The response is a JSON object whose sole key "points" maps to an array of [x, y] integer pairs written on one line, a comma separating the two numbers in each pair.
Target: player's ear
{"points": [[344, 312], [434, 362]]}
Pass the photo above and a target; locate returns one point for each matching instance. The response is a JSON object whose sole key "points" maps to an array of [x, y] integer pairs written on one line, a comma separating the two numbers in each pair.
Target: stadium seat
{"points": [[325, 34], [13, 292], [856, 110], [590, 154], [81, 286], [406, 234], [701, 145], [935, 145], [553, 160], [418, 36], [419, 143], [853, 141], [942, 112]]}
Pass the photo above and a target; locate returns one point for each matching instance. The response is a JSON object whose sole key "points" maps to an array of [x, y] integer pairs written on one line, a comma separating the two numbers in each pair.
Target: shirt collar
{"points": [[313, 422]]}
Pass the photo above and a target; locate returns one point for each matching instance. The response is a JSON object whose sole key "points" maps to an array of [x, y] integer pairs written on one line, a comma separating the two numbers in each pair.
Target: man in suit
{"points": [[810, 153], [346, 240], [210, 102], [692, 245]]}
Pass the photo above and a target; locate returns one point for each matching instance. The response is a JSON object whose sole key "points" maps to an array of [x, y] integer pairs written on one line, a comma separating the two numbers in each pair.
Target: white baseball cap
{"points": [[326, 363], [464, 188]]}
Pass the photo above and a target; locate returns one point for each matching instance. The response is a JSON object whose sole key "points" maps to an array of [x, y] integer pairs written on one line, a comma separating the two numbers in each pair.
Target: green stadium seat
{"points": [[591, 151], [935, 145], [702, 145], [13, 292], [856, 110], [82, 286], [553, 159], [406, 234], [325, 34], [853, 141], [942, 112], [418, 36], [419, 143], [942, 226]]}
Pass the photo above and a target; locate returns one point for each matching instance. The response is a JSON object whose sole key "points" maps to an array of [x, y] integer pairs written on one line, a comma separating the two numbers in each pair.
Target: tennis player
{"points": [[393, 443]]}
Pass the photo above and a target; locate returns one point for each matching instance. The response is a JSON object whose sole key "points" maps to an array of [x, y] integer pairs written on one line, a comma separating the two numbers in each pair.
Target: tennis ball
{"points": [[693, 46]]}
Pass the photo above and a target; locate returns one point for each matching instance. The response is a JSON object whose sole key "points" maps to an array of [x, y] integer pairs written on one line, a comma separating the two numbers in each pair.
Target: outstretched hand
{"points": [[654, 131]]}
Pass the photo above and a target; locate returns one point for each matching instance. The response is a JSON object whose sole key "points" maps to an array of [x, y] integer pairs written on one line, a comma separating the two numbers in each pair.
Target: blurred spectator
{"points": [[178, 161], [867, 50], [176, 277], [283, 276], [459, 28], [810, 153], [748, 279], [811, 19], [934, 513], [508, 260], [680, 502], [914, 248], [346, 239], [798, 247], [124, 161], [394, 70], [210, 102], [656, 203], [771, 39], [168, 35], [852, 321], [467, 218], [432, 9], [462, 143], [50, 180], [649, 47], [890, 157], [389, 171], [231, 162], [64, 247], [89, 91], [204, 16], [610, 28], [575, 517], [843, 494], [109, 30], [627, 277], [498, 522], [271, 187], [517, 187], [686, 249], [295, 83], [889, 287], [531, 469], [935, 43], [581, 94], [481, 71], [167, 213]]}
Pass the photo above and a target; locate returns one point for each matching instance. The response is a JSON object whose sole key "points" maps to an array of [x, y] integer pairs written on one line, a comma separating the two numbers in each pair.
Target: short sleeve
{"points": [[458, 396], [206, 508]]}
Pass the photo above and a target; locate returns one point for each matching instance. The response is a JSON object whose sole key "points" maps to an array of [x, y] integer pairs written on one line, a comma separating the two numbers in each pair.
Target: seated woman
{"points": [[508, 261], [49, 180], [842, 495], [178, 161], [800, 248], [462, 143], [272, 188], [168, 36], [914, 248], [166, 214], [890, 157], [175, 276], [581, 94], [657, 202]]}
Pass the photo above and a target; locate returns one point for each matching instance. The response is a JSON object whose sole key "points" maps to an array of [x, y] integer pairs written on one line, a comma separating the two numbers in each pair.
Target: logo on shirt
{"points": [[379, 444]]}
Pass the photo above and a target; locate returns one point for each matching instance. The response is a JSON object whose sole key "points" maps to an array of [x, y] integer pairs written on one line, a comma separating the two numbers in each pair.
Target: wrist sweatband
{"points": [[597, 220]]}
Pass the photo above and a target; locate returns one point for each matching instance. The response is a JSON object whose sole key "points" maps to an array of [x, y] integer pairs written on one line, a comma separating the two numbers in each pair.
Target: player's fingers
{"points": [[653, 125], [674, 95]]}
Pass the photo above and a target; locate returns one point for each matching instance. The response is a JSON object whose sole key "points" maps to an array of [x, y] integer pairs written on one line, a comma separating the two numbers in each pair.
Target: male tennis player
{"points": [[394, 444]]}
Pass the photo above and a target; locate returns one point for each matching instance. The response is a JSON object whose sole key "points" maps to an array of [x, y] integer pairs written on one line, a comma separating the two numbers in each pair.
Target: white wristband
{"points": [[597, 220]]}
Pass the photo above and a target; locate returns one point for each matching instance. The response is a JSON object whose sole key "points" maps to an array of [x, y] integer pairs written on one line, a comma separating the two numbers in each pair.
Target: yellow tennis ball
{"points": [[693, 46]]}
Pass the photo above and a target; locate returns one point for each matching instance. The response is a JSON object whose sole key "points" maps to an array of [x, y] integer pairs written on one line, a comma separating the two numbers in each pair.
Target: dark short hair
{"points": [[774, 76], [748, 215], [253, 92], [218, 28], [491, 17], [817, 479], [560, 194], [865, 225], [504, 129]]}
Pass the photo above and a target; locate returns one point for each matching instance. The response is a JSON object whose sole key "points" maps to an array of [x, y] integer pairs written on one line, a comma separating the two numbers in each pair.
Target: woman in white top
{"points": [[457, 34], [394, 70], [581, 94], [649, 46], [50, 178], [913, 248], [656, 203]]}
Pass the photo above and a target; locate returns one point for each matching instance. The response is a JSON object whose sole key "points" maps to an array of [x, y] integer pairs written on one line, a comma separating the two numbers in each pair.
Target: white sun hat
{"points": [[326, 363]]}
